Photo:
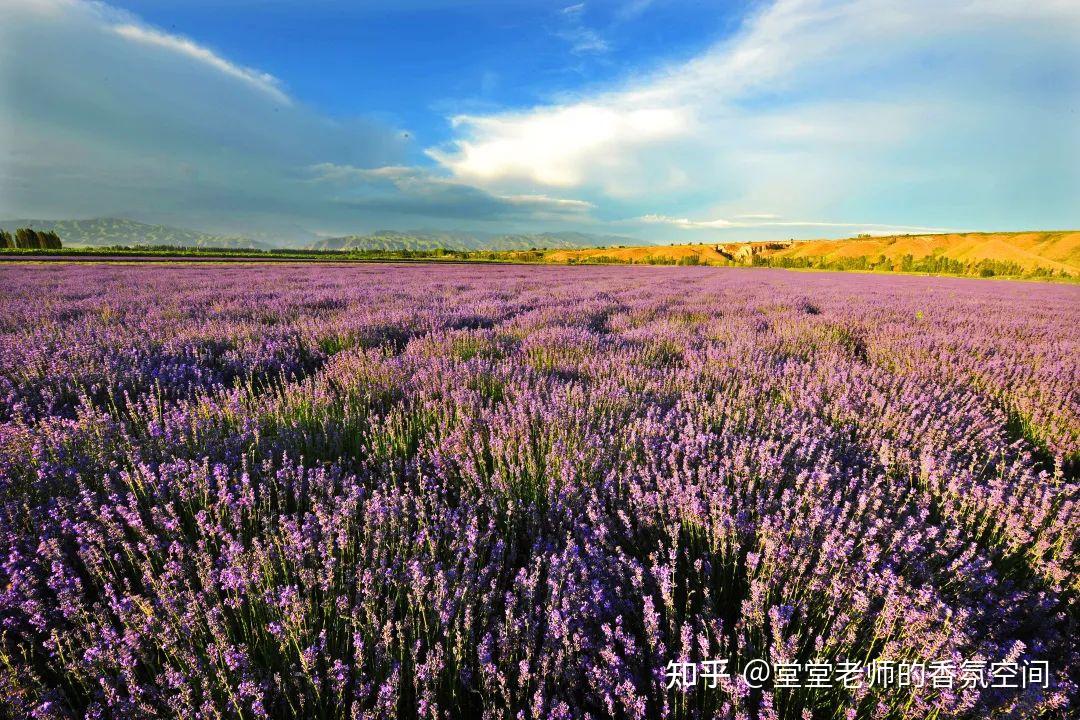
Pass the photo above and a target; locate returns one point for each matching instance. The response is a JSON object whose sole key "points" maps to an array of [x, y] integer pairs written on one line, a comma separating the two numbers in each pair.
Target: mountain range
{"points": [[1057, 252], [107, 231], [449, 240], [103, 232]]}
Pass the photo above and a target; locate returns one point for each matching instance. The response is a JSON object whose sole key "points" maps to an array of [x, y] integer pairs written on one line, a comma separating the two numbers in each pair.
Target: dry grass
{"points": [[1030, 250], [1058, 251], [706, 254]]}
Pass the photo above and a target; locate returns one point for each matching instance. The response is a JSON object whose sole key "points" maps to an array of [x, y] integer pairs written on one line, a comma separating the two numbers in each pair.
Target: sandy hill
{"points": [[1030, 250], [1058, 251], [705, 254]]}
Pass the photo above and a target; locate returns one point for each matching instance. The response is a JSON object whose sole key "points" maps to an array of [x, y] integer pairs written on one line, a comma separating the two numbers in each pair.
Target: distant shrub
{"points": [[936, 265]]}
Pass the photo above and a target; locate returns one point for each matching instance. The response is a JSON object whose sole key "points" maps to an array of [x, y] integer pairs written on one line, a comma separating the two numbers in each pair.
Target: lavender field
{"points": [[246, 491]]}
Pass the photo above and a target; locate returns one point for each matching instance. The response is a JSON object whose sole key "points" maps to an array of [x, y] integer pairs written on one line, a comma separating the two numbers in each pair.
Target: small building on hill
{"points": [[744, 252]]}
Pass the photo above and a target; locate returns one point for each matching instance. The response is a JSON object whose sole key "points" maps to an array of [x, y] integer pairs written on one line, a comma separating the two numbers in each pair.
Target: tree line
{"points": [[30, 239], [935, 265]]}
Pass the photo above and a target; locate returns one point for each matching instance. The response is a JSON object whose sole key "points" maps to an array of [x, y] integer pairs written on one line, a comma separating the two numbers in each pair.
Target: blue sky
{"points": [[414, 62], [665, 120]]}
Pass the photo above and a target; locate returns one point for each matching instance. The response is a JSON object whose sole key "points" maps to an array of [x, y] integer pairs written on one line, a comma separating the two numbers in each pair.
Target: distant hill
{"points": [[996, 253], [1059, 251], [432, 240], [101, 232], [1003, 253]]}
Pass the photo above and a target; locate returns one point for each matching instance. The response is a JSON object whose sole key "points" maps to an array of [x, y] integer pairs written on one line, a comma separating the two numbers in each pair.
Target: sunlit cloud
{"points": [[582, 38], [554, 148], [769, 221], [818, 107], [420, 192]]}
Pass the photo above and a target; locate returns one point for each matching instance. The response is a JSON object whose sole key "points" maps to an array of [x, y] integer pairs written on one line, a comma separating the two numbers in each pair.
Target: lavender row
{"points": [[422, 491]]}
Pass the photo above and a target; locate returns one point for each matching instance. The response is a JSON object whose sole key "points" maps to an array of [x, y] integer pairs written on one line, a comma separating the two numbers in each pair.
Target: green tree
{"points": [[30, 239], [25, 239]]}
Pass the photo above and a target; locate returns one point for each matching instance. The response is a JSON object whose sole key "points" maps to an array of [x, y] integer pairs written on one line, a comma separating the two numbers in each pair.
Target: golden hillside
{"points": [[706, 254], [1030, 251]]}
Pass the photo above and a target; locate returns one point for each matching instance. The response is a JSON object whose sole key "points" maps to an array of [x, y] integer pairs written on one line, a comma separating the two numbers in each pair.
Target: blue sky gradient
{"points": [[671, 121]]}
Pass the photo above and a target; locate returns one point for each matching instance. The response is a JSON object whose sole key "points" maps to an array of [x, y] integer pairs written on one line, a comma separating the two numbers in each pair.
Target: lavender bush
{"points": [[502, 492]]}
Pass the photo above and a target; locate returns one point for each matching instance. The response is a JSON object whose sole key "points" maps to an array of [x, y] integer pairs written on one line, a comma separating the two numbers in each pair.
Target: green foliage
{"points": [[932, 264]]}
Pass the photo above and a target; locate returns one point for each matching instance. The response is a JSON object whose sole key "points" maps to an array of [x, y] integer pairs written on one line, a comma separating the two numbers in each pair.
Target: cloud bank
{"points": [[766, 220], [103, 114], [262, 81], [416, 192], [962, 114]]}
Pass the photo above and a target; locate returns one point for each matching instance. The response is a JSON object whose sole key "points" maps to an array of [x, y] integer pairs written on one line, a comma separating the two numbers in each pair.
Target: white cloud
{"points": [[555, 148], [876, 108], [766, 221], [102, 114], [263, 81], [423, 193], [568, 204], [582, 38]]}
